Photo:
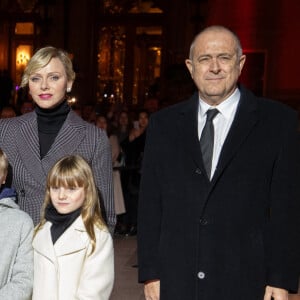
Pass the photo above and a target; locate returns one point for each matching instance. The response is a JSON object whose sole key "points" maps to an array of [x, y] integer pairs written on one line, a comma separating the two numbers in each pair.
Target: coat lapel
{"points": [[42, 243], [67, 140], [73, 239], [28, 147], [188, 126], [245, 119]]}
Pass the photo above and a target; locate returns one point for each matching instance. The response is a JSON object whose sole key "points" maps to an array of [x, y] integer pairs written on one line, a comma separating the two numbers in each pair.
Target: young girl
{"points": [[73, 249]]}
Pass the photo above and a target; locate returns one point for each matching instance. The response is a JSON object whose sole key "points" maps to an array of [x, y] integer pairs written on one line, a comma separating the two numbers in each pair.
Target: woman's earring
{"points": [[68, 89]]}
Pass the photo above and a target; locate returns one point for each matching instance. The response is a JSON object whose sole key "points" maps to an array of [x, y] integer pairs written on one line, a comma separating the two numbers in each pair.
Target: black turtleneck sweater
{"points": [[50, 122]]}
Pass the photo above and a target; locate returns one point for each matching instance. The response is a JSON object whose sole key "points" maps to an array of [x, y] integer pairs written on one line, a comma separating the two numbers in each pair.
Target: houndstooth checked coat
{"points": [[19, 139]]}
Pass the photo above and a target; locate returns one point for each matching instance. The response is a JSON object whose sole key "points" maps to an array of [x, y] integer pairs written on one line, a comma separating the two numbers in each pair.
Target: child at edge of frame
{"points": [[16, 255]]}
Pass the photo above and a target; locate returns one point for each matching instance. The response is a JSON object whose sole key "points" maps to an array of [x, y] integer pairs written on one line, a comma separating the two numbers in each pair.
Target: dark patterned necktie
{"points": [[207, 140]]}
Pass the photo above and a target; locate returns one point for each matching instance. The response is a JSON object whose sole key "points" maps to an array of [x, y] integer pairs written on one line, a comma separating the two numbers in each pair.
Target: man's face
{"points": [[215, 66]]}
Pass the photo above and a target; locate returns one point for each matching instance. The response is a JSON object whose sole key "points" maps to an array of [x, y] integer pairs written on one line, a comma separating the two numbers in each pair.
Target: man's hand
{"points": [[152, 290], [275, 293]]}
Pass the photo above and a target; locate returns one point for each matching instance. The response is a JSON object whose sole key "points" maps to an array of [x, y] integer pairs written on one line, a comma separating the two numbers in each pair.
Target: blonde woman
{"points": [[34, 141]]}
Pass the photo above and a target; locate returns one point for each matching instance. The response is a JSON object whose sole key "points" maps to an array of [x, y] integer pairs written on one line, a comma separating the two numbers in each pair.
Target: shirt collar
{"points": [[226, 107]]}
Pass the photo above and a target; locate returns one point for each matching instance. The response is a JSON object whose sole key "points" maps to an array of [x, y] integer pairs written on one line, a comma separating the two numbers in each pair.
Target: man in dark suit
{"points": [[219, 224]]}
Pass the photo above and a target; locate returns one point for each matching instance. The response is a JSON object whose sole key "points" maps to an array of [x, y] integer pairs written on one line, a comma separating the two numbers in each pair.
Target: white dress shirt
{"points": [[222, 123]]}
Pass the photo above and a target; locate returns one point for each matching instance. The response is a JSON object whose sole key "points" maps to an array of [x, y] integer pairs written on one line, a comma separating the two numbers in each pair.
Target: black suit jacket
{"points": [[230, 237]]}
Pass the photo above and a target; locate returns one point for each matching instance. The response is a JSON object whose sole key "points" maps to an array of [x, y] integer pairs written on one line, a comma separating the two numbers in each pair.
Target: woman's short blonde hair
{"points": [[41, 59]]}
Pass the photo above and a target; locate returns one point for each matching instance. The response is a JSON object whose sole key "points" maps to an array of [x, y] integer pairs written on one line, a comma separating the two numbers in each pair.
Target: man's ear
{"points": [[242, 62], [189, 65]]}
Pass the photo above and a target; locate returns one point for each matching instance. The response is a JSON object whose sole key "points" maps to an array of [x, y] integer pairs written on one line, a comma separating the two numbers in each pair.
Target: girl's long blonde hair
{"points": [[74, 171]]}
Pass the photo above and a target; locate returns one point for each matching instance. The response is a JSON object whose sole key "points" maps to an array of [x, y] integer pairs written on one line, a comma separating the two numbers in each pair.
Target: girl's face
{"points": [[48, 85], [67, 200]]}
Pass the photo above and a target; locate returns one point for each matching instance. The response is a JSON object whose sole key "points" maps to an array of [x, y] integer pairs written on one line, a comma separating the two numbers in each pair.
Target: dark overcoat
{"points": [[19, 139], [229, 237]]}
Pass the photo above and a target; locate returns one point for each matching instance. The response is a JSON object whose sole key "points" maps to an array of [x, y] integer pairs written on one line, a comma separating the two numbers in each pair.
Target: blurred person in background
{"points": [[7, 112], [124, 126], [101, 122], [133, 147], [26, 107]]}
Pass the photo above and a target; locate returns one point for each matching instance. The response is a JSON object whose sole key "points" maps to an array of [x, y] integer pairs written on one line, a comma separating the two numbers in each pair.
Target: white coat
{"points": [[65, 271]]}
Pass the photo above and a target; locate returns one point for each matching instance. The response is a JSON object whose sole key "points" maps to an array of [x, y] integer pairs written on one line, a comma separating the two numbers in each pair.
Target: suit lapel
{"points": [[66, 142], [188, 126], [28, 147], [245, 119]]}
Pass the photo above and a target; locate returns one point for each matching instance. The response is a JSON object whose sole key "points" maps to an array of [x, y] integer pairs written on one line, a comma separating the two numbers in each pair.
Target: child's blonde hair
{"points": [[74, 171], [3, 163]]}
